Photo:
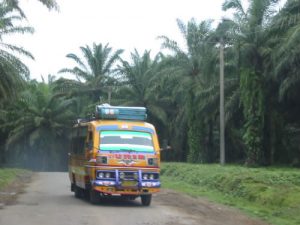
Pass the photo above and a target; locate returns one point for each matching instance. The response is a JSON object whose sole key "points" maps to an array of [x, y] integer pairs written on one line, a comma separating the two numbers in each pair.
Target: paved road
{"points": [[48, 201]]}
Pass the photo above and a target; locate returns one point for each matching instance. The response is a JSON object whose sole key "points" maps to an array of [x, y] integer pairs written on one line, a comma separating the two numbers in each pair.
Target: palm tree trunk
{"points": [[194, 142], [267, 140], [210, 147], [252, 97]]}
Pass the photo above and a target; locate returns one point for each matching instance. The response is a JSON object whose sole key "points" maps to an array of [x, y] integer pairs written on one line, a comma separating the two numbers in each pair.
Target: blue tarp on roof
{"points": [[106, 111]]}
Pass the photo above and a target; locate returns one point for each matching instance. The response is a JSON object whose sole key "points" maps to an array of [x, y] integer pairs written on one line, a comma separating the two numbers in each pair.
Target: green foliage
{"points": [[270, 193], [253, 43], [13, 72], [194, 69], [180, 90], [94, 71], [139, 84], [9, 175], [194, 142], [252, 99], [37, 126], [195, 135], [286, 27]]}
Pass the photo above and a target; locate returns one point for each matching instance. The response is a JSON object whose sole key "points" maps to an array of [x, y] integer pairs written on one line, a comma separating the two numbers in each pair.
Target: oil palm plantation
{"points": [[38, 126]]}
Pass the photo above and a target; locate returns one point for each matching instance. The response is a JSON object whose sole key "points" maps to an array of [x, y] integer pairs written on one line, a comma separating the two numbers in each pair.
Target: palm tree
{"points": [[252, 37], [285, 28], [285, 74], [38, 125], [139, 84], [193, 70], [93, 71], [13, 72]]}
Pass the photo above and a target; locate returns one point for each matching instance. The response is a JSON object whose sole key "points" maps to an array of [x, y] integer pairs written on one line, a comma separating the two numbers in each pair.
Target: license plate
{"points": [[129, 183]]}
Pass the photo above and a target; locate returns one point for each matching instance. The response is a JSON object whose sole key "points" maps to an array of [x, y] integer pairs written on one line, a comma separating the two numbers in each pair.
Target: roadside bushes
{"points": [[278, 187]]}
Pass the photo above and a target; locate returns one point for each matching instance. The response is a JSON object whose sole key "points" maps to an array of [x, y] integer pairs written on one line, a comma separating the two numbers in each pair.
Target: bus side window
{"points": [[79, 136], [73, 141], [81, 140], [80, 145], [90, 144]]}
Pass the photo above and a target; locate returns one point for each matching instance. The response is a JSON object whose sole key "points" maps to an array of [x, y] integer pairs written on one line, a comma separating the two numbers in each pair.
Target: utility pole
{"points": [[222, 120]]}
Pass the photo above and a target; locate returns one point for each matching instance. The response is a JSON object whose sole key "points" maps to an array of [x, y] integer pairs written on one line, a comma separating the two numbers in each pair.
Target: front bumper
{"points": [[132, 184]]}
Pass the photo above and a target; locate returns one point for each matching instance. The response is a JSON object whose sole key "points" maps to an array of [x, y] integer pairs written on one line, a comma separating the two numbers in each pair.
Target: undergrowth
{"points": [[9, 175]]}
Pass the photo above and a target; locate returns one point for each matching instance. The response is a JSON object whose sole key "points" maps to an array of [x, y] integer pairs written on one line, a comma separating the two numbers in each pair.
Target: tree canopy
{"points": [[179, 87]]}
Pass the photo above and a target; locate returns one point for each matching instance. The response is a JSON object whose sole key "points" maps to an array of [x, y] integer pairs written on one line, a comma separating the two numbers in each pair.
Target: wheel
{"points": [[72, 187], [77, 191], [146, 199], [94, 196], [86, 194]]}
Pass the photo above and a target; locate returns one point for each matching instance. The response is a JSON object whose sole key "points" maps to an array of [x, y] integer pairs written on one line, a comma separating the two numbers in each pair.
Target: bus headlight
{"points": [[122, 175], [150, 176], [101, 175], [145, 176]]}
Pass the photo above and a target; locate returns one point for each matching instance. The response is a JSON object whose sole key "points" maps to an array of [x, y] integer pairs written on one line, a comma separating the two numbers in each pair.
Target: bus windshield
{"points": [[120, 140]]}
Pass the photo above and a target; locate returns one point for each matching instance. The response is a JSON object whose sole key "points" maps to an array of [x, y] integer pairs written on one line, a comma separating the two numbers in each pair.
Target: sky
{"points": [[124, 24]]}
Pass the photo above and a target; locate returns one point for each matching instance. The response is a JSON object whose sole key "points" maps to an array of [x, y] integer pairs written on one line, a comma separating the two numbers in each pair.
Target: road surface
{"points": [[48, 201]]}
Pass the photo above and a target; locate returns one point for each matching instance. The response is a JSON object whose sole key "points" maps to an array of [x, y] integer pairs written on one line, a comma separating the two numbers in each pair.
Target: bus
{"points": [[116, 153]]}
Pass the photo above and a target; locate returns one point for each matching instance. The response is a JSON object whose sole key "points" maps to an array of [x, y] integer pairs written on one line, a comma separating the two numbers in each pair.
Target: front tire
{"points": [[72, 187], [146, 199], [77, 191]]}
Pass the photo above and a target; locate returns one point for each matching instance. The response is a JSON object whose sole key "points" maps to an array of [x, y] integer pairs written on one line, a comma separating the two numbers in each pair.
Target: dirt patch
{"points": [[204, 211], [8, 194]]}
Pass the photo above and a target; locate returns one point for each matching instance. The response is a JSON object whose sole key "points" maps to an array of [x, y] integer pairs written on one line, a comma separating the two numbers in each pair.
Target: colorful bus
{"points": [[115, 153]]}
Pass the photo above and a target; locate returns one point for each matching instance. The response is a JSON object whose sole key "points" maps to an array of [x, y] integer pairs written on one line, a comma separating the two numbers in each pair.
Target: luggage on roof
{"points": [[106, 111]]}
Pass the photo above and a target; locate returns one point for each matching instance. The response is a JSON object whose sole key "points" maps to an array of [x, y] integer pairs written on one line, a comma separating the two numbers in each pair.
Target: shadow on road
{"points": [[113, 201]]}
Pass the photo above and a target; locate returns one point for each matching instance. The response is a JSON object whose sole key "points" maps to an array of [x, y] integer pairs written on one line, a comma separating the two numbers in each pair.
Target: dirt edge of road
{"points": [[205, 209]]}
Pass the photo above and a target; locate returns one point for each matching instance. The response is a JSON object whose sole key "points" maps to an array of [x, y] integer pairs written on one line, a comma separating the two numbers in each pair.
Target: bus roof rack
{"points": [[106, 111]]}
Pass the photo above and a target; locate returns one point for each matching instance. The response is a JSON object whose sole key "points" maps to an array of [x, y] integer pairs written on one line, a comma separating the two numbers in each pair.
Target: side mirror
{"points": [[165, 145]]}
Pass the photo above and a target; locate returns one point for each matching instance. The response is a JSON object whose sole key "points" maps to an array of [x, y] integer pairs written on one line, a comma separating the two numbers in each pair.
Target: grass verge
{"points": [[272, 194], [11, 183]]}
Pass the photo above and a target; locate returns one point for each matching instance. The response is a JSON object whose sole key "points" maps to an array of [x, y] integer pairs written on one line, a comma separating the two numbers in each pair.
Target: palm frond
{"points": [[77, 60], [17, 49]]}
